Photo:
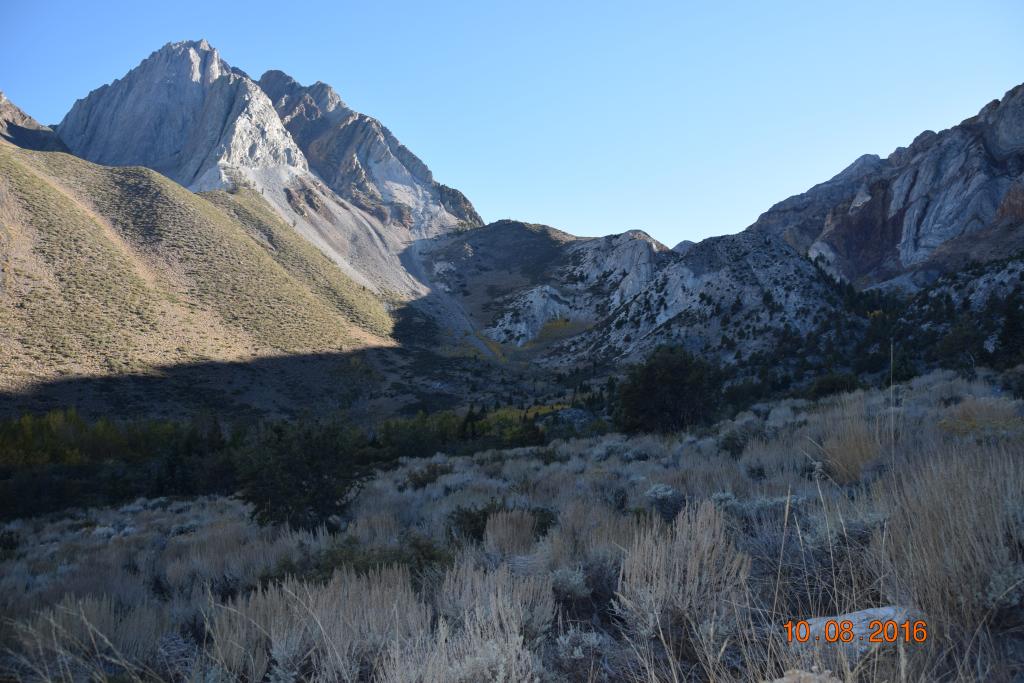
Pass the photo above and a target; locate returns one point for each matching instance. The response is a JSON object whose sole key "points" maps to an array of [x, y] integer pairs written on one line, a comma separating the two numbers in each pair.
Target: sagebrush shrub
{"points": [[680, 585]]}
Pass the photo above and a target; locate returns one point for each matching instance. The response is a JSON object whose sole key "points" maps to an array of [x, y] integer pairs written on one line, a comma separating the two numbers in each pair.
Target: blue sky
{"points": [[684, 119]]}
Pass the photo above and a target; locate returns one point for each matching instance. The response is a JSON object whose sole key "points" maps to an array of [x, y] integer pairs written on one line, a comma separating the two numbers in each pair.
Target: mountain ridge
{"points": [[362, 160], [22, 130], [942, 186], [398, 244], [185, 112]]}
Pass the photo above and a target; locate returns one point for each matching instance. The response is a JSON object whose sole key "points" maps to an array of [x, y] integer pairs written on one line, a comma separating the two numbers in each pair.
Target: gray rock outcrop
{"points": [[881, 218], [619, 297], [20, 129], [684, 246], [185, 113], [363, 162]]}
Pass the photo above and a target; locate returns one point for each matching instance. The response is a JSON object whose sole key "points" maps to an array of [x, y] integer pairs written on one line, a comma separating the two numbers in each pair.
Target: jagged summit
{"points": [[286, 93], [361, 160], [186, 113]]}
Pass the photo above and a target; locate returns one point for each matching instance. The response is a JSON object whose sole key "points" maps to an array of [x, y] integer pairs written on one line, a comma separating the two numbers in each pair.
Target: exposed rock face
{"points": [[185, 113], [726, 297], [683, 246], [22, 130], [363, 162], [189, 115], [620, 296], [800, 219], [880, 218], [948, 199]]}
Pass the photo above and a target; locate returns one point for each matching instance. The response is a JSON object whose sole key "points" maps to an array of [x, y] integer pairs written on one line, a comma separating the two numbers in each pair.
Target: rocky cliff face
{"points": [[881, 219], [571, 301], [185, 113], [20, 129], [363, 162], [189, 115], [947, 200]]}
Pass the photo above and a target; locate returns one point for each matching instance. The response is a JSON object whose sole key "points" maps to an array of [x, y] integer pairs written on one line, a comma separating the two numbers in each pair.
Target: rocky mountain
{"points": [[565, 301], [362, 200], [363, 162], [121, 292], [948, 200], [22, 130], [888, 220], [357, 245], [185, 113]]}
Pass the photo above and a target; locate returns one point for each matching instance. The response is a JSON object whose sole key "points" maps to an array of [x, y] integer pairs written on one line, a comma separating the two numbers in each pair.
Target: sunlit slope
{"points": [[109, 270], [304, 262]]}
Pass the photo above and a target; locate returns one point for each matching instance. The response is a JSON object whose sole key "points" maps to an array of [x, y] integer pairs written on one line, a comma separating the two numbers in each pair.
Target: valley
{"points": [[276, 404]]}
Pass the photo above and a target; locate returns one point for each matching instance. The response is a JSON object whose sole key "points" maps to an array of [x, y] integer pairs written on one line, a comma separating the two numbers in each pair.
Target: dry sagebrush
{"points": [[604, 559]]}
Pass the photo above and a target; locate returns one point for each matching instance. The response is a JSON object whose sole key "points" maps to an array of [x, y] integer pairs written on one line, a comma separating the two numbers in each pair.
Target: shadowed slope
{"points": [[24, 131]]}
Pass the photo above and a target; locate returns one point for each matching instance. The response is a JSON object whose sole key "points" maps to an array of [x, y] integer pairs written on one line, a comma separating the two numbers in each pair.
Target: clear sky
{"points": [[684, 119]]}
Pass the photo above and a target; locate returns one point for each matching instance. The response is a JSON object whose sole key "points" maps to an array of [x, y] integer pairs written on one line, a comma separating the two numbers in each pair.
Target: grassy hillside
{"points": [[109, 270], [304, 262]]}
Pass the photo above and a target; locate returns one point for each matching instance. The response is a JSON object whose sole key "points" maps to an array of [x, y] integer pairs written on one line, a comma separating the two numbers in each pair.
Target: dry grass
{"points": [[479, 651], [510, 532], [682, 590], [332, 631], [850, 438], [953, 545], [518, 604], [112, 270], [983, 415]]}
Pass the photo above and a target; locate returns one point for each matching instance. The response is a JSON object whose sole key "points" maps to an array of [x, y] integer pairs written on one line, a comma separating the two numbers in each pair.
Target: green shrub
{"points": [[832, 383], [671, 391], [303, 474]]}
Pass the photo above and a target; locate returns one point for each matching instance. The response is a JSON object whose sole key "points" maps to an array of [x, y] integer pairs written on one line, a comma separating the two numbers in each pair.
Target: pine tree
{"points": [[1010, 343]]}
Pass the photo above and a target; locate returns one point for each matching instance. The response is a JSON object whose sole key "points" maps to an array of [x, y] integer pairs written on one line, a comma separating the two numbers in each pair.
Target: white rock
{"points": [[185, 113]]}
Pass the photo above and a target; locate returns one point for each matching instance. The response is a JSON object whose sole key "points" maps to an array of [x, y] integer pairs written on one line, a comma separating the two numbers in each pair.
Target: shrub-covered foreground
{"points": [[604, 559]]}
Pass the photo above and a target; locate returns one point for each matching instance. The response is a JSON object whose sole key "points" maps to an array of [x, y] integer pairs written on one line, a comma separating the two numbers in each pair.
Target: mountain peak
{"points": [[201, 44], [684, 246], [185, 112], [196, 58], [362, 161]]}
